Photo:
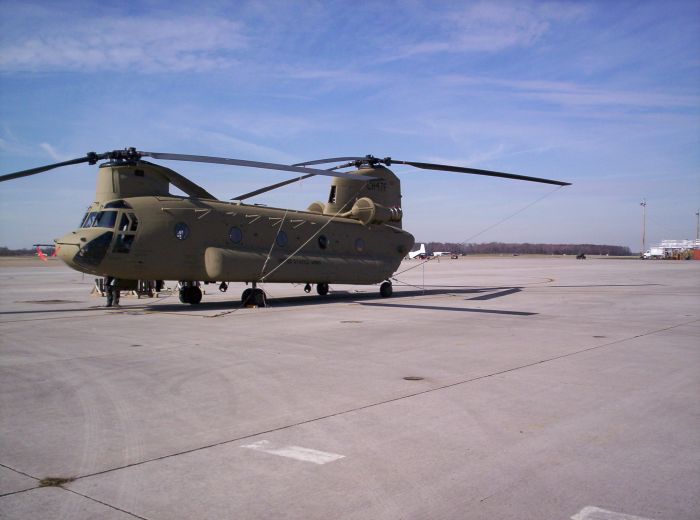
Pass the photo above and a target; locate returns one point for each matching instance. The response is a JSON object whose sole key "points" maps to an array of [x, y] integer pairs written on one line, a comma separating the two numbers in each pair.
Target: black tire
{"points": [[386, 289], [185, 294], [259, 298], [245, 297], [195, 295], [322, 289]]}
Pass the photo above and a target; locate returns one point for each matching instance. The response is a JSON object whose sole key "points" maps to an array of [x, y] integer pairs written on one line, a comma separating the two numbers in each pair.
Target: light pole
{"points": [[697, 225], [643, 204]]}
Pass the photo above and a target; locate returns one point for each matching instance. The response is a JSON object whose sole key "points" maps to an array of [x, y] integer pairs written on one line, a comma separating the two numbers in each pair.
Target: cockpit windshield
{"points": [[103, 219]]}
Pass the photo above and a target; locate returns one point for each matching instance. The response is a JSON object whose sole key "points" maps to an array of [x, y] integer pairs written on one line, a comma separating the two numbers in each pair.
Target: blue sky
{"points": [[605, 95]]}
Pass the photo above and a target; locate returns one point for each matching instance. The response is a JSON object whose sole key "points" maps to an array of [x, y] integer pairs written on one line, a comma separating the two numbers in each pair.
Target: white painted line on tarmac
{"points": [[596, 513], [294, 452]]}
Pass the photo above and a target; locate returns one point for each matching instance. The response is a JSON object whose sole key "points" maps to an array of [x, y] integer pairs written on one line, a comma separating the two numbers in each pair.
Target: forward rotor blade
{"points": [[184, 184], [33, 171], [332, 159], [475, 171], [249, 164]]}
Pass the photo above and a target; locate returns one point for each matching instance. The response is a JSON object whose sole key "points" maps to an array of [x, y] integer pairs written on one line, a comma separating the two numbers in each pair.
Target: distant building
{"points": [[675, 249]]}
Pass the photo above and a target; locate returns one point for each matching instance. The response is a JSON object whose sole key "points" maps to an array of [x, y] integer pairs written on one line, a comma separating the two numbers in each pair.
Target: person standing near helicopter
{"points": [[112, 290]]}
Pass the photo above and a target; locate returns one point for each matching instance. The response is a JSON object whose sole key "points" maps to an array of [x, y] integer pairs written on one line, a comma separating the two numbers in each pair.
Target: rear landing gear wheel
{"points": [[322, 289], [254, 297], [386, 289], [259, 298]]}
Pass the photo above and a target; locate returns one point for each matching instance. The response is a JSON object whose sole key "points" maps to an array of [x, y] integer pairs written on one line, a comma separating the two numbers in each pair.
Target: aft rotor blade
{"points": [[475, 171], [273, 187], [296, 179], [249, 164], [91, 158]]}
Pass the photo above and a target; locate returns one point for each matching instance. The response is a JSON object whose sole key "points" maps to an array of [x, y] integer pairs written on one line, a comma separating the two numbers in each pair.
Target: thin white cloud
{"points": [[492, 27], [233, 146], [268, 126], [173, 44], [52, 152], [572, 94]]}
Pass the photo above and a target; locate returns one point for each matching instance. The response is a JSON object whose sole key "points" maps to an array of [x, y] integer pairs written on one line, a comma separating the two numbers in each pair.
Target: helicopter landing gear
{"points": [[322, 289], [307, 288], [254, 296], [386, 289], [190, 294]]}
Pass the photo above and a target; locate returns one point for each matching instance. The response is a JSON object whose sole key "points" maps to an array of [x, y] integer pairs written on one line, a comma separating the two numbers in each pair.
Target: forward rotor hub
{"points": [[370, 161]]}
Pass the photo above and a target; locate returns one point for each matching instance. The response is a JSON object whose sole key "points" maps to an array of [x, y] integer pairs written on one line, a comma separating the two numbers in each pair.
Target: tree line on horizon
{"points": [[28, 251], [491, 248]]}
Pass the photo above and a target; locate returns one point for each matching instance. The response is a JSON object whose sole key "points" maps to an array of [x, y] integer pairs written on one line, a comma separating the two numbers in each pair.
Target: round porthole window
{"points": [[359, 245], [235, 235], [182, 231], [282, 239], [323, 241]]}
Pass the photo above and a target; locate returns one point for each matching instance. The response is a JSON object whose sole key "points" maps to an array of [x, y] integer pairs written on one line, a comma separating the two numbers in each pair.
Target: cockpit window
{"points": [[89, 219], [92, 253], [134, 222], [123, 243], [105, 219]]}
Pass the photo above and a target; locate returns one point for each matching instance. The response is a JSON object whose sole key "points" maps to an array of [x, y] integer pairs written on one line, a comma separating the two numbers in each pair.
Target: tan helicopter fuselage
{"points": [[136, 230]]}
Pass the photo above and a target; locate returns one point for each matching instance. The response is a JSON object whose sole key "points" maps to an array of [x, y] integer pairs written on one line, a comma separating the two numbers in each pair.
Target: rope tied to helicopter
{"points": [[314, 235], [488, 228], [269, 254], [272, 246]]}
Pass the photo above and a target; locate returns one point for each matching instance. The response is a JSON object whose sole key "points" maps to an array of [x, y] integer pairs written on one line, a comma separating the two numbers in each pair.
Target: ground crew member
{"points": [[112, 290]]}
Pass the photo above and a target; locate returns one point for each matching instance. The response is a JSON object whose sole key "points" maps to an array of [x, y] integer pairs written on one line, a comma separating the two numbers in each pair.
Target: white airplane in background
{"points": [[441, 253], [414, 254]]}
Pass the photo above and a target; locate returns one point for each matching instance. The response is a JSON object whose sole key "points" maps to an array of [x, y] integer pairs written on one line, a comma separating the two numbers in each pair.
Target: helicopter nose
{"points": [[67, 247]]}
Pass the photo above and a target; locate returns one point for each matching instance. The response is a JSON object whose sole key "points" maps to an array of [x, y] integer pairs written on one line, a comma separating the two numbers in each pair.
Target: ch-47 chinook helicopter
{"points": [[136, 230]]}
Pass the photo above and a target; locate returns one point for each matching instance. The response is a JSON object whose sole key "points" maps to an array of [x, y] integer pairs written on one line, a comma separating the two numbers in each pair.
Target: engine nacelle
{"points": [[369, 212]]}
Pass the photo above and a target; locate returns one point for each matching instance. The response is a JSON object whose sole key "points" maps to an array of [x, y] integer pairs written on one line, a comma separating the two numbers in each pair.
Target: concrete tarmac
{"points": [[485, 388]]}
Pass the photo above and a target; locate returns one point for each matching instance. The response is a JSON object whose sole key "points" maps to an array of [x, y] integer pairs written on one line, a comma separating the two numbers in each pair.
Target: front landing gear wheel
{"points": [[190, 294], [246, 297], [386, 289], [195, 295], [322, 289]]}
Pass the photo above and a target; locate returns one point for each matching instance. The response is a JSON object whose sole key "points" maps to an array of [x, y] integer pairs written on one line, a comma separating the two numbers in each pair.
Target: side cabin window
{"points": [[182, 231]]}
